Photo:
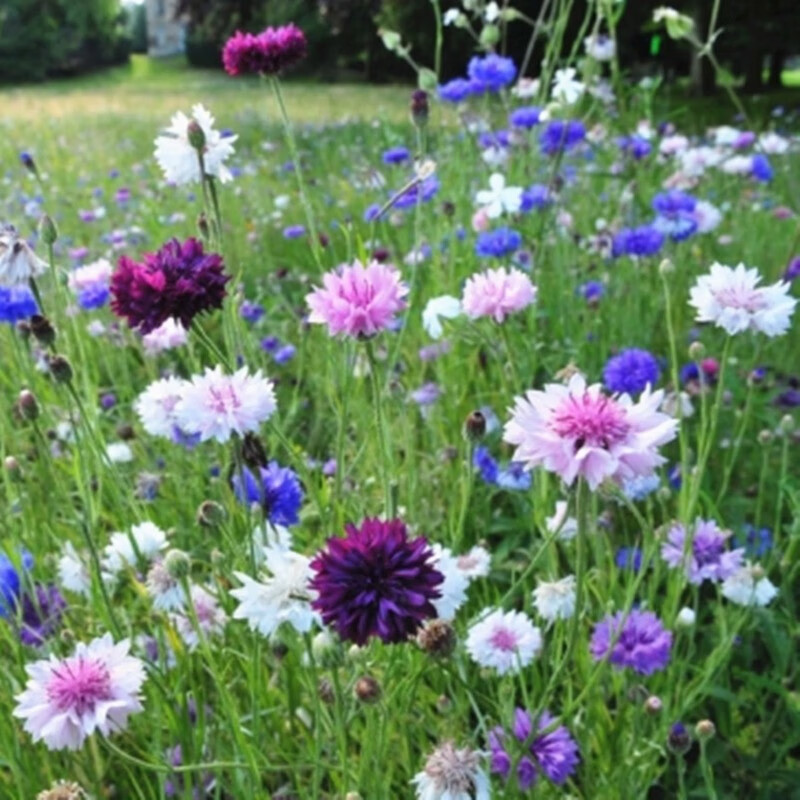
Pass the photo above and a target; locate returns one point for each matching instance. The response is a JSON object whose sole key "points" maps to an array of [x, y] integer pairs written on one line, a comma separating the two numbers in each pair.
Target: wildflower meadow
{"points": [[447, 450]]}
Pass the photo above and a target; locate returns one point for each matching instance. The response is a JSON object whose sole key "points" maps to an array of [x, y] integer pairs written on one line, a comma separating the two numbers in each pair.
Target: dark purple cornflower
{"points": [[645, 240], [631, 371], [251, 312], [560, 136], [554, 754], [376, 582], [180, 280], [641, 641], [788, 399], [492, 71], [525, 117], [270, 344], [41, 616], [266, 53], [396, 155], [793, 270], [277, 490], [498, 243]]}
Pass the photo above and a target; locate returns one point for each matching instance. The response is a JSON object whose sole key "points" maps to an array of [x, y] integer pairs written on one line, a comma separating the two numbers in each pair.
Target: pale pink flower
{"points": [[96, 688], [167, 336], [358, 300], [576, 430], [211, 619], [497, 293], [90, 275], [504, 641], [156, 405], [733, 300], [216, 405], [480, 220]]}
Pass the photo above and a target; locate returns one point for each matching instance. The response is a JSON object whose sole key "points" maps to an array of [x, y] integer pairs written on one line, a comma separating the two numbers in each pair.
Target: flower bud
{"points": [[12, 466], [177, 564], [666, 267], [437, 638], [705, 730], [679, 740], [787, 423], [765, 437], [490, 36], [27, 405], [653, 705], [23, 329], [196, 136], [426, 80], [60, 369], [326, 691], [210, 514], [697, 351], [352, 796], [686, 617], [47, 229], [42, 330], [367, 689], [26, 159], [253, 453], [419, 108], [475, 426], [203, 227]]}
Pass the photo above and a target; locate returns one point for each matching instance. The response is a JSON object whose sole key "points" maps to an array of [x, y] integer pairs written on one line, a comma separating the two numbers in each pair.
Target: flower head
{"points": [[566, 89], [376, 582], [748, 586], [706, 557], [497, 293], [178, 156], [41, 612], [645, 240], [560, 136], [18, 262], [178, 281], [167, 336], [211, 619], [631, 371], [452, 774], [499, 198], [444, 306], [554, 754], [277, 490], [16, 303], [266, 53], [733, 300], [555, 599], [504, 641], [498, 243], [358, 300], [576, 430], [640, 642], [96, 688], [492, 71]]}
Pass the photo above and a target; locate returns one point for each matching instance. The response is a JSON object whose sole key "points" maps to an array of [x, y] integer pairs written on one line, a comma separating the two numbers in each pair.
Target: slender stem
{"points": [[380, 424], [708, 772]]}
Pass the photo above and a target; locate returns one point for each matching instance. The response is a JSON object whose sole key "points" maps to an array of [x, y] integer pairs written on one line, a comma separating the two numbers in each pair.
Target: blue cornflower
{"points": [[284, 354], [641, 487], [501, 138], [756, 541], [631, 371], [629, 558], [637, 147], [270, 344], [371, 212], [678, 226], [94, 296], [761, 169], [525, 117], [251, 312], [277, 490], [561, 136], [396, 155], [492, 71], [689, 372], [419, 193], [536, 196], [16, 303], [459, 89], [592, 291], [672, 202], [497, 243], [485, 464], [11, 582], [646, 240], [514, 477], [294, 232]]}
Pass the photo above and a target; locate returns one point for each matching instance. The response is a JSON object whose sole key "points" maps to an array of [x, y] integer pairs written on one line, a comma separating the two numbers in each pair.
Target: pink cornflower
{"points": [[358, 300], [96, 688], [216, 406], [266, 53], [497, 293], [576, 430]]}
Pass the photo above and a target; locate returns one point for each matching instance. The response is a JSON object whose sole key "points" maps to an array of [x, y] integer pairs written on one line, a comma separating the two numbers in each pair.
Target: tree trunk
{"points": [[776, 62], [754, 68]]}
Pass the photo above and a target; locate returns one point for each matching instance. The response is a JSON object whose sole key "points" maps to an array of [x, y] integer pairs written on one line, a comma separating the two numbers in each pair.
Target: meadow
{"points": [[353, 560]]}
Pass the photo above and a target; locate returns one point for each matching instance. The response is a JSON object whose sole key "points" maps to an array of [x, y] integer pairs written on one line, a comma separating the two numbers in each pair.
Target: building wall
{"points": [[165, 35]]}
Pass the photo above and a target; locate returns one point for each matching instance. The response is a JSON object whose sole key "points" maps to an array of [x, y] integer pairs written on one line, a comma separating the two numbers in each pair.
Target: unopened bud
{"points": [[23, 328], [475, 426], [47, 229], [490, 36], [11, 465], [27, 405], [679, 740], [42, 329], [253, 453], [787, 423], [60, 369], [437, 638], [126, 432], [352, 796], [367, 689], [210, 514], [686, 617], [203, 227], [666, 267], [419, 108], [765, 437], [326, 691], [705, 729], [697, 351], [196, 136], [26, 159], [177, 564], [653, 705]]}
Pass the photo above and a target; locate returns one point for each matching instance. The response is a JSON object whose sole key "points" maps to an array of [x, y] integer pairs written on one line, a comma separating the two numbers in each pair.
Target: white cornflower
{"points": [[266, 535], [494, 156], [772, 143], [686, 617], [671, 145], [566, 526], [600, 47], [504, 641], [526, 88], [499, 198], [18, 262], [148, 539], [453, 16], [492, 12], [284, 596], [119, 453], [178, 158], [707, 216], [475, 563], [167, 336], [165, 591], [211, 619], [436, 308], [155, 406], [73, 574], [555, 599], [566, 89], [452, 774], [90, 275], [737, 165], [726, 136], [694, 161], [216, 405], [453, 590], [732, 300], [749, 587]]}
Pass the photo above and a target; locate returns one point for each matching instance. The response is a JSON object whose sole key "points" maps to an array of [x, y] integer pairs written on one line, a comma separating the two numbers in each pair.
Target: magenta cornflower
{"points": [[265, 53], [555, 753], [640, 641], [96, 688], [358, 300], [497, 293], [707, 558], [576, 430], [376, 582], [179, 281]]}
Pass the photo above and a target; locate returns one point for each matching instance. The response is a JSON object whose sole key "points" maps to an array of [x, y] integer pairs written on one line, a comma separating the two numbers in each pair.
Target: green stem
{"points": [[380, 424]]}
